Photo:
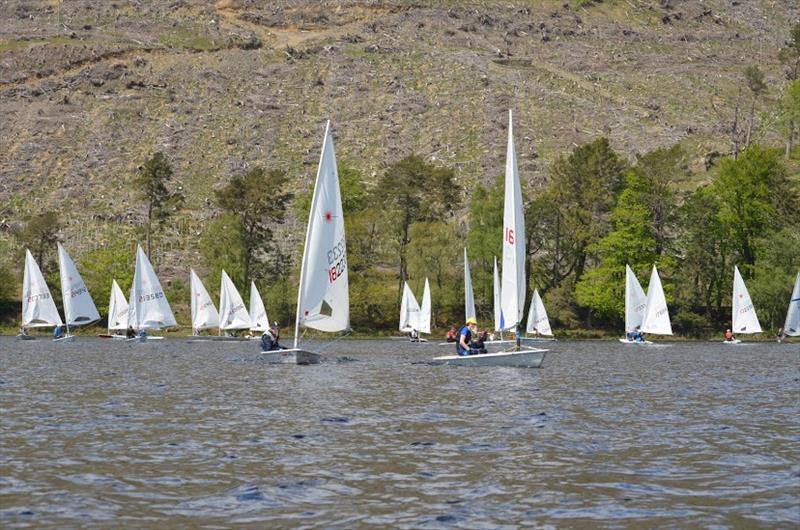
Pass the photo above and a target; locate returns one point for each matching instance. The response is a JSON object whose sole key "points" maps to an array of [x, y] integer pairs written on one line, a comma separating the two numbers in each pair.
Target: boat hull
{"points": [[25, 337], [626, 341], [291, 356], [114, 337], [530, 358], [734, 341], [68, 338]]}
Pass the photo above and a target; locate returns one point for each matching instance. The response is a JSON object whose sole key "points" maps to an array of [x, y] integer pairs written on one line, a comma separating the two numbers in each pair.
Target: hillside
{"points": [[88, 90]]}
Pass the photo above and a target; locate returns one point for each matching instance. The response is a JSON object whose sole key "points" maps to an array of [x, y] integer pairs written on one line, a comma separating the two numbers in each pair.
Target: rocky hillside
{"points": [[88, 90]]}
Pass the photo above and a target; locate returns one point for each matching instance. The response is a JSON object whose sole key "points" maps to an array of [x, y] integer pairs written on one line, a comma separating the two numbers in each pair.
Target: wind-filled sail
{"points": [[232, 312], [537, 317], [498, 310], [79, 308], [656, 314], [744, 314], [635, 301], [512, 290], [409, 310], [425, 310], [38, 308], [323, 301], [469, 297], [204, 314], [792, 324], [258, 313], [117, 309], [148, 307]]}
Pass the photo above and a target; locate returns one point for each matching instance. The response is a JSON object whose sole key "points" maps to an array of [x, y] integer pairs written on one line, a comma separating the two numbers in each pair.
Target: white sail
{"points": [[792, 324], [409, 310], [512, 289], [498, 310], [537, 317], [656, 313], [323, 301], [117, 309], [469, 297], [744, 314], [425, 310], [204, 314], [232, 312], [258, 313], [38, 308], [635, 301], [148, 307], [79, 308]]}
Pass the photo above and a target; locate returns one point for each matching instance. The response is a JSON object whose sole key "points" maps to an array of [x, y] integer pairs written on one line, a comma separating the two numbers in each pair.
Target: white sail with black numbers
{"points": [[635, 301], [323, 298], [232, 311], [79, 308], [117, 309], [204, 314], [148, 306], [512, 289], [744, 319], [38, 308], [656, 313]]}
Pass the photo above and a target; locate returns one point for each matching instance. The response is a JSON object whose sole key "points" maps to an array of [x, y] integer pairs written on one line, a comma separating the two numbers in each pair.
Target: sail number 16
{"points": [[509, 236]]}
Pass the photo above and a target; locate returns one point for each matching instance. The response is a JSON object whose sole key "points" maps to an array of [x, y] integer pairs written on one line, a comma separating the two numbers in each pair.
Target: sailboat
{"points": [[233, 314], [791, 326], [743, 317], [117, 313], [415, 319], [635, 304], [79, 308], [148, 307], [512, 290], [323, 301], [656, 314], [259, 321], [38, 308], [538, 322], [204, 313]]}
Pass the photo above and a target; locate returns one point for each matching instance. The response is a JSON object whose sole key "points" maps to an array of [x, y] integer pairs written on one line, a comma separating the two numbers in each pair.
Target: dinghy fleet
{"points": [[323, 297]]}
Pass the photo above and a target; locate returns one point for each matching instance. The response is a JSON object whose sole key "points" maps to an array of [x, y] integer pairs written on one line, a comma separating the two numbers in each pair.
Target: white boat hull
{"points": [[114, 337], [291, 356], [626, 341], [530, 358], [734, 341], [143, 339], [25, 337], [213, 338], [68, 338], [495, 344]]}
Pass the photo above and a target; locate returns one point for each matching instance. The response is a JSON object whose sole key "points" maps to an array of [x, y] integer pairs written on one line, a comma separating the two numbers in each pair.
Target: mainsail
{"points": [[744, 314], [38, 308], [409, 310], [635, 301], [79, 308], [322, 300], [537, 317], [117, 309], [512, 290], [469, 297], [204, 314], [258, 313], [792, 324], [425, 310], [656, 314], [232, 312], [148, 307]]}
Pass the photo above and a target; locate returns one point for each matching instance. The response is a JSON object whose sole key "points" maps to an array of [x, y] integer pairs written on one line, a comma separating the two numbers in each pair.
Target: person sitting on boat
{"points": [[451, 335], [131, 333], [142, 333], [57, 332], [466, 345], [413, 335], [729, 337], [637, 335], [269, 339], [780, 336], [23, 332]]}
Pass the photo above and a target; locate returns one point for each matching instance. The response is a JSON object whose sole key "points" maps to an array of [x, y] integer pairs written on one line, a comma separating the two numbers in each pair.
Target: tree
{"points": [[222, 247], [789, 56], [40, 235], [791, 114], [412, 191], [774, 275], [99, 266], [161, 203], [485, 242], [755, 82], [258, 199]]}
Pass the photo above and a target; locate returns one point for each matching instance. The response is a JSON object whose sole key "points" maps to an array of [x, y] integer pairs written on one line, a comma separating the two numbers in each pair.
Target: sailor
{"points": [[451, 335], [729, 336], [131, 333], [57, 332], [465, 346], [269, 339]]}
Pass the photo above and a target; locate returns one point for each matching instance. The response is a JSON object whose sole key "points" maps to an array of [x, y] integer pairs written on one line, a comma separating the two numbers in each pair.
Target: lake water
{"points": [[99, 433]]}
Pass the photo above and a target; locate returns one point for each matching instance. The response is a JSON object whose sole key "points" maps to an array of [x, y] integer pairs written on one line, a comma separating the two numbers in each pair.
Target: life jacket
{"points": [[467, 338]]}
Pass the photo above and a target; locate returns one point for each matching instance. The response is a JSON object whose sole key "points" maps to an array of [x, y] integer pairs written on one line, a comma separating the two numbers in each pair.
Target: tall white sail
{"points": [[512, 290], [744, 314], [258, 313], [204, 314], [79, 308], [148, 307], [425, 310], [792, 324], [635, 301], [469, 297], [656, 314], [232, 312], [409, 310], [323, 301], [38, 308], [537, 317], [498, 310], [117, 309]]}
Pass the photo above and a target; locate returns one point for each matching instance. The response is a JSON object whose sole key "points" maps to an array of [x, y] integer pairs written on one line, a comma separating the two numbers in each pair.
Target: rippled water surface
{"points": [[101, 433]]}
